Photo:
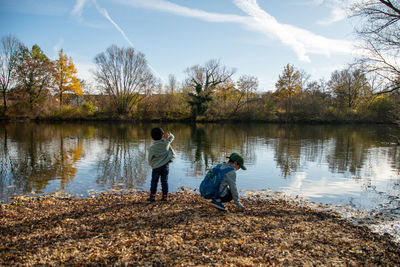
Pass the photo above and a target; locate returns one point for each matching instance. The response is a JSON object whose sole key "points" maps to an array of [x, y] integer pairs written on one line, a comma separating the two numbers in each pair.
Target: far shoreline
{"points": [[189, 121]]}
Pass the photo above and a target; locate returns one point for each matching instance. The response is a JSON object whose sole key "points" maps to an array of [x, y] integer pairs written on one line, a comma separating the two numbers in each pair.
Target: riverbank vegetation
{"points": [[209, 94], [125, 88], [125, 229]]}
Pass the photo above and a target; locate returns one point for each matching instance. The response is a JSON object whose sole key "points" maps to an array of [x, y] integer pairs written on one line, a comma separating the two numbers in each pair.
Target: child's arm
{"points": [[231, 181], [169, 137], [150, 156]]}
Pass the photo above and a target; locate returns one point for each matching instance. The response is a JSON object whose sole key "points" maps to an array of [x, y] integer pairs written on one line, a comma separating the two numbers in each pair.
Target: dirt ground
{"points": [[119, 229]]}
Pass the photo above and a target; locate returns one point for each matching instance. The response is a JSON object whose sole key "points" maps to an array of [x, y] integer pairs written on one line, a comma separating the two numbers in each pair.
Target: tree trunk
{"points": [[4, 101]]}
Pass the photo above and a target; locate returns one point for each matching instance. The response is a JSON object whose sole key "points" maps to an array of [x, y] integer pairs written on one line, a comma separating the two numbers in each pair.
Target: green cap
{"points": [[236, 157]]}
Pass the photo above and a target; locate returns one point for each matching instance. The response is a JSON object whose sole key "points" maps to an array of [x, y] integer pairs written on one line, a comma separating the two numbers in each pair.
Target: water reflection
{"points": [[32, 155], [349, 163], [124, 159]]}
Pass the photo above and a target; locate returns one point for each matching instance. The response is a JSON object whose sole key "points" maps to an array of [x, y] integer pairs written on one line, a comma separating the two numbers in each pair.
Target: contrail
{"points": [[77, 11], [301, 41], [104, 12]]}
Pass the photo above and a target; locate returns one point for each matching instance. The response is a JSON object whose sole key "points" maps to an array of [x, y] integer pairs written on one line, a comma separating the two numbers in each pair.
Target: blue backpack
{"points": [[209, 187]]}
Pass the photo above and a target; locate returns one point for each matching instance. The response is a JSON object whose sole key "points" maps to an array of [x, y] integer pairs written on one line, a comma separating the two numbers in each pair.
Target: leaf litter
{"points": [[121, 228]]}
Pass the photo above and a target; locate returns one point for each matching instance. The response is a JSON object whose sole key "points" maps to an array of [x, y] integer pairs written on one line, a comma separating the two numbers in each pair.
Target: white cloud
{"points": [[338, 9], [337, 14], [85, 70], [166, 6], [267, 24], [78, 8], [301, 41]]}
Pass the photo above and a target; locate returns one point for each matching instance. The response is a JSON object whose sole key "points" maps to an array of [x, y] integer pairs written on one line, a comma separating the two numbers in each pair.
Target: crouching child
{"points": [[219, 184]]}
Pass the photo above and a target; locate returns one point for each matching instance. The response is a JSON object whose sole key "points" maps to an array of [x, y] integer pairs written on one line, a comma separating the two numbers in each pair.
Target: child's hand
{"points": [[166, 135], [241, 208]]}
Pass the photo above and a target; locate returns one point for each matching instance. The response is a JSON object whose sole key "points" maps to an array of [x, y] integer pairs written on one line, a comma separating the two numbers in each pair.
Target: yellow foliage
{"points": [[65, 76]]}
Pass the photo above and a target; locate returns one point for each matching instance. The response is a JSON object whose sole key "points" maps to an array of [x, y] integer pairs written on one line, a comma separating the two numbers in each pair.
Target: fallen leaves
{"points": [[117, 229]]}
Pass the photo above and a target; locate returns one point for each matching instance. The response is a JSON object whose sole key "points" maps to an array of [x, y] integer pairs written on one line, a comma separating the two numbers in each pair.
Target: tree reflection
{"points": [[33, 154], [344, 148], [4, 160], [287, 150], [350, 149], [66, 160], [199, 149], [125, 158], [394, 153], [205, 145]]}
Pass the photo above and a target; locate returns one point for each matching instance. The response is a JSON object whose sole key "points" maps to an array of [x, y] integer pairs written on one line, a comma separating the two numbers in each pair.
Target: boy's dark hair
{"points": [[157, 133]]}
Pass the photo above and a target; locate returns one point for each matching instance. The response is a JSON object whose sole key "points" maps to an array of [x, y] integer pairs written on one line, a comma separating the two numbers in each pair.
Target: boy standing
{"points": [[228, 189], [160, 155]]}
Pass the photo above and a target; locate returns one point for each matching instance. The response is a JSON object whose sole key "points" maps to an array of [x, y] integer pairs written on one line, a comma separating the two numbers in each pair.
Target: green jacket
{"points": [[161, 152]]}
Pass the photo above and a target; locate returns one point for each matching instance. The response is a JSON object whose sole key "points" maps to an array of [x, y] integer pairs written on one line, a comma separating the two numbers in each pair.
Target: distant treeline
{"points": [[35, 87]]}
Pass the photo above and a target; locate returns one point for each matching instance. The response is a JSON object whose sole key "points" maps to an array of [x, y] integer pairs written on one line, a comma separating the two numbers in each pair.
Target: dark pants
{"points": [[155, 175], [227, 197]]}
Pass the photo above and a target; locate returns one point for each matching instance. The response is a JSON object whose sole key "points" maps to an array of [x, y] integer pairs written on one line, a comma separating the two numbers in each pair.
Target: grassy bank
{"points": [[118, 229]]}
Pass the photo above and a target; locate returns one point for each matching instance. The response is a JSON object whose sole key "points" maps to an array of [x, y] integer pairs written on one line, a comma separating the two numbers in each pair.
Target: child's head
{"points": [[236, 158], [157, 133]]}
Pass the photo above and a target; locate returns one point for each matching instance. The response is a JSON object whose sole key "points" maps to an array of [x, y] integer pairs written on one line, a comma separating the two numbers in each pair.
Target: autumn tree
{"points": [[348, 86], [223, 100], [124, 74], [176, 106], [9, 48], [288, 85], [317, 89], [34, 72], [65, 79], [202, 80], [170, 91], [379, 31], [246, 85]]}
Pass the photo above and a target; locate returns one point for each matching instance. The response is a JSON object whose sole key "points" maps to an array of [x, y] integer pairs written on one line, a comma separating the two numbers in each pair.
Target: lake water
{"points": [[356, 165]]}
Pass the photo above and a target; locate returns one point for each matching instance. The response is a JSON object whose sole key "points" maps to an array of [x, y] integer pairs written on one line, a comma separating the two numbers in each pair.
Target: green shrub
{"points": [[88, 108], [382, 108], [66, 113]]}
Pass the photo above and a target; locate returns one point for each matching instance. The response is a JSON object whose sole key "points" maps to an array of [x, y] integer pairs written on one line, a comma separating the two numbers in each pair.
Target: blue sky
{"points": [[257, 38]]}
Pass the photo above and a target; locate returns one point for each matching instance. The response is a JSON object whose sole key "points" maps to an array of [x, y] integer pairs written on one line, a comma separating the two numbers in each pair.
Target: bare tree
{"points": [[123, 74], [304, 78], [172, 84], [246, 86], [348, 86], [9, 48], [380, 24], [204, 79]]}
